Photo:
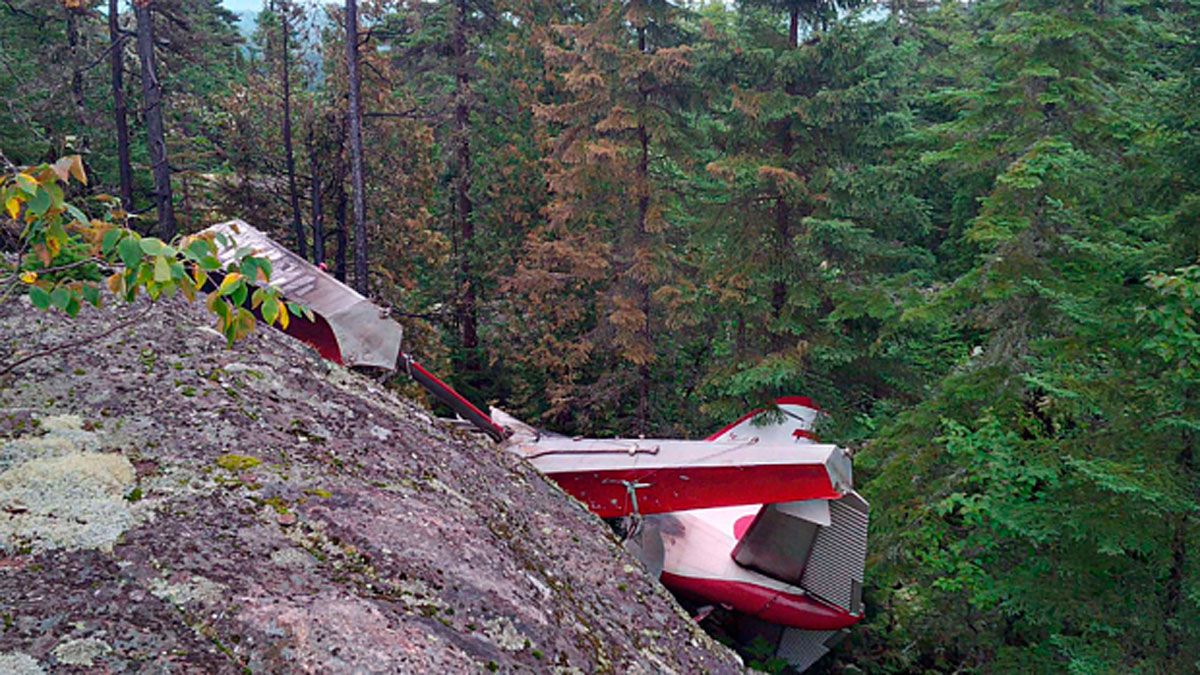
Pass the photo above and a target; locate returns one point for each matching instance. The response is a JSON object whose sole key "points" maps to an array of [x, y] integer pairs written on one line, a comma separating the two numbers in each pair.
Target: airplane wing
{"points": [[620, 477], [350, 329]]}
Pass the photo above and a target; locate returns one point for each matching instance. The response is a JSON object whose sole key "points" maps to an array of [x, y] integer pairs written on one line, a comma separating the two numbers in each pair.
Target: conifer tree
{"points": [[621, 75]]}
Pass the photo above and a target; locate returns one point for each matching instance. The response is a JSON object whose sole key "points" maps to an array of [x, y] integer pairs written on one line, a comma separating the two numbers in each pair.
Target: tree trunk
{"points": [[794, 29], [1180, 535], [318, 216], [124, 167], [783, 235], [467, 306], [783, 210], [152, 102], [361, 283], [289, 155], [76, 70], [339, 186], [643, 289]]}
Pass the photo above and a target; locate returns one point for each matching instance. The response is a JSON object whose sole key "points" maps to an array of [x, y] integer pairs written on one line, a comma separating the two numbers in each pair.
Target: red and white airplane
{"points": [[759, 519]]}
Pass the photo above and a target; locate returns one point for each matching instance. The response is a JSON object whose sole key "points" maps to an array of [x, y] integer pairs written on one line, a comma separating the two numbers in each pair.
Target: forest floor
{"points": [[169, 503]]}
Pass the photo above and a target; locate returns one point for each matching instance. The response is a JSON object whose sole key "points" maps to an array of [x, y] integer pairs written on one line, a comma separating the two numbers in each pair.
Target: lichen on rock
{"points": [[16, 663], [82, 652], [53, 495]]}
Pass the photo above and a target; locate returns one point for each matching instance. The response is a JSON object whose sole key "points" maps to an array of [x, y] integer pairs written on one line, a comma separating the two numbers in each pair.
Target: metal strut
{"points": [[454, 400], [635, 514]]}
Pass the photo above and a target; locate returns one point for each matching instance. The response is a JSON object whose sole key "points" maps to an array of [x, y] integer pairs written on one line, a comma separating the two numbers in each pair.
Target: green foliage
{"points": [[66, 254]]}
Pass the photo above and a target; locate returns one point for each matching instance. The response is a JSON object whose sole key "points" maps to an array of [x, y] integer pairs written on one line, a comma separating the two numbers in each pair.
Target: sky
{"points": [[240, 6]]}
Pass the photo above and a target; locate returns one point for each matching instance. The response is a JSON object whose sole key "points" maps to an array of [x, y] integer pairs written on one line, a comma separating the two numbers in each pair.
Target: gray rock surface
{"points": [[168, 504]]}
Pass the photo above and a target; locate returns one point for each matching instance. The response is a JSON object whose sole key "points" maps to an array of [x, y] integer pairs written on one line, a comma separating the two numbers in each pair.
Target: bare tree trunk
{"points": [[339, 183], [124, 167], [643, 178], [361, 282], [467, 305], [1180, 536], [783, 210], [76, 70], [152, 101], [286, 76], [783, 234], [318, 215]]}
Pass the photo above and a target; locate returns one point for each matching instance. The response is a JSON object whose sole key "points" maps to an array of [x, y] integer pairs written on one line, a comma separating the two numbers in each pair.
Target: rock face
{"points": [[168, 504]]}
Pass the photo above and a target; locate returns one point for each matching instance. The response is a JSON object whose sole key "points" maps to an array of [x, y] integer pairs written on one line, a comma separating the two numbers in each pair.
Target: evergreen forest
{"points": [[969, 230]]}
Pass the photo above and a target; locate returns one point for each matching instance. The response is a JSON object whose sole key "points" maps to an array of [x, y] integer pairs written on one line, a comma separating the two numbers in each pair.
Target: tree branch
{"points": [[75, 343]]}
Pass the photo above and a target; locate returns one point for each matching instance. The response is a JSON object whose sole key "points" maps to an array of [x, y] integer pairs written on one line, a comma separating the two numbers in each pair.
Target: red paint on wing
{"points": [[317, 333], [682, 488], [788, 609]]}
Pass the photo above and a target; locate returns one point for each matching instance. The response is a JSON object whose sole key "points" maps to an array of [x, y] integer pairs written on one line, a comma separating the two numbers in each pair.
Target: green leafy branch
{"points": [[65, 258]]}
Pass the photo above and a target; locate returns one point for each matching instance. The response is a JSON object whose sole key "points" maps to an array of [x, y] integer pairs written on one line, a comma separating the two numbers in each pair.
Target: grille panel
{"points": [[835, 567]]}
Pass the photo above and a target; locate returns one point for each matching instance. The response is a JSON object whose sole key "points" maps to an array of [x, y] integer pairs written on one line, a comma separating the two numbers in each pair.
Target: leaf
{"points": [[152, 246], [40, 203], [116, 283], [162, 271], [73, 306], [60, 298], [56, 238], [198, 249], [27, 184], [77, 169], [248, 267], [109, 241], [300, 310], [245, 323], [62, 168], [130, 251], [270, 310], [77, 214], [39, 297], [229, 283], [53, 245], [13, 207], [211, 301], [284, 319], [92, 295], [187, 288]]}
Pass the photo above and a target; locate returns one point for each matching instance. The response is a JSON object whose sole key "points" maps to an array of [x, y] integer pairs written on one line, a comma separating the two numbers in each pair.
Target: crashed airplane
{"points": [[759, 522]]}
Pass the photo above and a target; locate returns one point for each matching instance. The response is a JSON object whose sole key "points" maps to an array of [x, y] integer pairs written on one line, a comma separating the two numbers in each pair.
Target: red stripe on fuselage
{"points": [[682, 488], [787, 609]]}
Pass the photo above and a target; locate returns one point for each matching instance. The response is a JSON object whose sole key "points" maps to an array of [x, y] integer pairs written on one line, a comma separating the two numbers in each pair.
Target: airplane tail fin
{"points": [[793, 423]]}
